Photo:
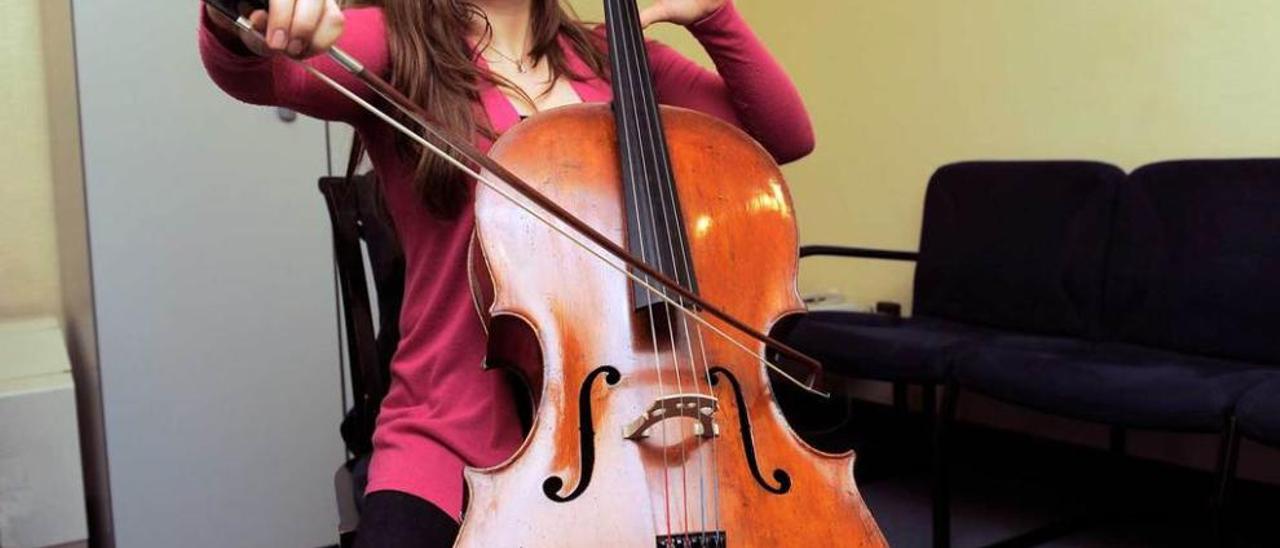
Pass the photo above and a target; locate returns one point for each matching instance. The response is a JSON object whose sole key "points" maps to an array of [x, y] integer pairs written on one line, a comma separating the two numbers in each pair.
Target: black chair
{"points": [[1258, 413], [361, 231], [1258, 418], [1185, 306], [988, 260], [1224, 302], [1004, 246]]}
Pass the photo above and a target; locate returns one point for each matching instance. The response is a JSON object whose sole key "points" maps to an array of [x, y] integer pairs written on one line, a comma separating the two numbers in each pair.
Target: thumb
{"points": [[655, 13]]}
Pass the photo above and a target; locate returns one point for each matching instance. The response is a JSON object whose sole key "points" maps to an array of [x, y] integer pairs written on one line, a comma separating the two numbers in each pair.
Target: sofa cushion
{"points": [[1196, 259], [1108, 383], [1016, 245], [879, 347], [1259, 412]]}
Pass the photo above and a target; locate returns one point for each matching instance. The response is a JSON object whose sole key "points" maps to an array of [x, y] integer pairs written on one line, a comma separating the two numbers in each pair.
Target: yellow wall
{"points": [[28, 251], [897, 88]]}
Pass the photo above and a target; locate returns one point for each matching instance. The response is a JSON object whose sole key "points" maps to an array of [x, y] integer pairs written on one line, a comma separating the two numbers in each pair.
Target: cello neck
{"points": [[655, 223]]}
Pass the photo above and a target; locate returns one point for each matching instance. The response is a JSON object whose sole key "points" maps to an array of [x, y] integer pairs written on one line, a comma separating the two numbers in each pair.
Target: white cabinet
{"points": [[214, 294], [41, 495]]}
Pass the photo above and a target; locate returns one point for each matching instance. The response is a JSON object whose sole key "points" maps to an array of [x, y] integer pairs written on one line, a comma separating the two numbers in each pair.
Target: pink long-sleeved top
{"points": [[443, 412]]}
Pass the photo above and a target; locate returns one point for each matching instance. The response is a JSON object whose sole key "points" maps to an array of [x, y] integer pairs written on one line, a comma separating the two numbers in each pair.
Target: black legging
{"points": [[391, 519]]}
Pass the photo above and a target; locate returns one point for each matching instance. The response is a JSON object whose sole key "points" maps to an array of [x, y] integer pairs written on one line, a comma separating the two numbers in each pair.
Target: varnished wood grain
{"points": [[743, 240]]}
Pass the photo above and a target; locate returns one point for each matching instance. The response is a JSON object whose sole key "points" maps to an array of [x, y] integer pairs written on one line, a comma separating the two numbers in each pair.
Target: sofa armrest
{"points": [[857, 252]]}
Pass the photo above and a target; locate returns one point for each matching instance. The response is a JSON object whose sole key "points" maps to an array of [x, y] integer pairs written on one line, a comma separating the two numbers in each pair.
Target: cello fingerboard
{"points": [[693, 540], [655, 221]]}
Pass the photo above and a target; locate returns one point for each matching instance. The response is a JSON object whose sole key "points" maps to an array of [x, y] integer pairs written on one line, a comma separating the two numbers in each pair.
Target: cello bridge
{"points": [[698, 407]]}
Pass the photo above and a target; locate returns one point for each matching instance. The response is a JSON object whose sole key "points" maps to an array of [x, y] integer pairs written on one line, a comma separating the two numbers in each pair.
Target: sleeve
{"points": [[279, 81], [749, 88]]}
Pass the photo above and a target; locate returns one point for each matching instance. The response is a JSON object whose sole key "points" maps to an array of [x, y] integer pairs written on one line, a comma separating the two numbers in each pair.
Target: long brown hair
{"points": [[433, 64]]}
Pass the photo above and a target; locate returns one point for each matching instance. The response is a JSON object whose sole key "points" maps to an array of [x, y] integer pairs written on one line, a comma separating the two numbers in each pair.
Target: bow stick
{"points": [[469, 152]]}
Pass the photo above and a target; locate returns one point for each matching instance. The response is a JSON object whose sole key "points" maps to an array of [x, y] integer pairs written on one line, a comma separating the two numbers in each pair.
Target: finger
{"points": [[251, 36], [306, 17], [655, 13], [258, 21], [331, 27], [279, 18]]}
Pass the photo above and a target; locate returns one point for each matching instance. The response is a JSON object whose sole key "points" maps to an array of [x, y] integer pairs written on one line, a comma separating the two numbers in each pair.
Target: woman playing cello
{"points": [[477, 68]]}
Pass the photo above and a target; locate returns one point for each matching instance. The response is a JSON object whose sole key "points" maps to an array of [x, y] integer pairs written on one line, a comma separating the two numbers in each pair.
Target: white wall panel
{"points": [[214, 293]]}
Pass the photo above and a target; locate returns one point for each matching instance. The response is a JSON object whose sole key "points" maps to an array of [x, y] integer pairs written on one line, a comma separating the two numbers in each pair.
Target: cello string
{"points": [[634, 53], [715, 443], [681, 249], [653, 331], [670, 216], [679, 252], [569, 232]]}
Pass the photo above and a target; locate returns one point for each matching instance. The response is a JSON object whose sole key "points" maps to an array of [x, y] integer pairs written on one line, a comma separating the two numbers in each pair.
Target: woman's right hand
{"points": [[297, 28]]}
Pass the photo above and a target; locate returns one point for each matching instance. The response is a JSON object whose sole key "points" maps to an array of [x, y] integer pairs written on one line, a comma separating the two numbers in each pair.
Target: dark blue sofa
{"points": [[1144, 302], [1259, 412], [1004, 245]]}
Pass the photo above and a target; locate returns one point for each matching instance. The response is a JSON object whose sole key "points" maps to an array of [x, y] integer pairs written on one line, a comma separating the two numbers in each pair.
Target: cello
{"points": [[630, 257]]}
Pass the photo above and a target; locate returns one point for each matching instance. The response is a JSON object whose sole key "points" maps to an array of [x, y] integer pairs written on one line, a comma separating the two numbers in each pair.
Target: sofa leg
{"points": [[929, 401], [1224, 475], [941, 481], [929, 409]]}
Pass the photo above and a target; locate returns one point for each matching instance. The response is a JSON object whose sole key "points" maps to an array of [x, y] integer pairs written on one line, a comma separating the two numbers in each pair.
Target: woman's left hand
{"points": [[680, 12]]}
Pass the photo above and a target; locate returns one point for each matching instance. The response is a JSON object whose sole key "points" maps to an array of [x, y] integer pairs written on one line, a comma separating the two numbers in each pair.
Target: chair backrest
{"points": [[1017, 245], [1196, 259], [359, 226]]}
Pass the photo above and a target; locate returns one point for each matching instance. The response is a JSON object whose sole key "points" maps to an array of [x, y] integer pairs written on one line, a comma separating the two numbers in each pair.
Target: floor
{"points": [[1007, 485]]}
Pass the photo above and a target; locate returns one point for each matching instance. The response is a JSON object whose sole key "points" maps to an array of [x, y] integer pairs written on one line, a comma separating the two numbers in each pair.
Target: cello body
{"points": [[567, 322]]}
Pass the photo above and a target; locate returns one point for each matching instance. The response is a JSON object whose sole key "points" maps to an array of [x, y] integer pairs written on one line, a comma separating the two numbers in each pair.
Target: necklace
{"points": [[521, 67]]}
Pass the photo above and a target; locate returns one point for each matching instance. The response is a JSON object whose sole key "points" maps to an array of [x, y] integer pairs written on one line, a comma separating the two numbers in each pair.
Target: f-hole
{"points": [[586, 438], [748, 441]]}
